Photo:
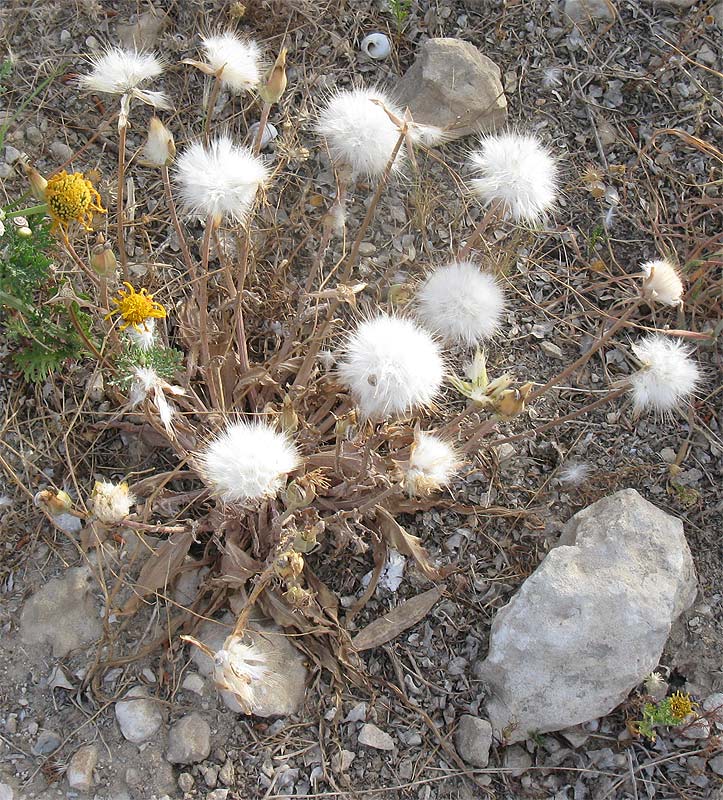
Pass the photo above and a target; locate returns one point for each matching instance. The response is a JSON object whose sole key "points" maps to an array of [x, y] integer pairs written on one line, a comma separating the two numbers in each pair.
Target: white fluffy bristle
{"points": [[238, 59], [247, 461], [668, 376], [662, 283], [461, 303], [391, 366], [432, 465]]}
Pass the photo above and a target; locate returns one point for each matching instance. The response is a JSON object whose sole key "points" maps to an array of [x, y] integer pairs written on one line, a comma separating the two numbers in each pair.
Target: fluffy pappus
{"points": [[247, 461], [219, 180], [461, 303], [239, 669], [237, 59], [667, 377], [120, 71], [574, 473], [111, 502], [662, 283], [432, 464], [391, 366], [516, 171], [359, 133]]}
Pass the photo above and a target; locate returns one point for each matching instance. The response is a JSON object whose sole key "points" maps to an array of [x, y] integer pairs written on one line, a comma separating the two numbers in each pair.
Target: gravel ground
{"points": [[629, 105]]}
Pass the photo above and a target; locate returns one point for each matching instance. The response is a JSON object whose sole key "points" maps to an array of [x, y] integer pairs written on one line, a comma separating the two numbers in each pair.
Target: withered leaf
{"points": [[399, 619], [160, 568], [409, 545], [237, 566]]}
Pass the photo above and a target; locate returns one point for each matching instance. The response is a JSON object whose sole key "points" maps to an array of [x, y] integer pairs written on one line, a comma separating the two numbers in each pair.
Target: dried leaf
{"points": [[399, 619], [160, 568], [327, 600], [409, 545], [380, 559], [237, 566]]}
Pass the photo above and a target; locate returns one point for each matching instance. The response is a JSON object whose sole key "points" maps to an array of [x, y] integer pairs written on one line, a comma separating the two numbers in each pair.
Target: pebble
{"points": [[552, 350], [340, 762], [189, 740], [6, 792], [12, 154], [713, 704], [5, 171], [210, 776], [473, 740], [138, 716], [716, 764], [46, 742], [218, 794], [185, 782], [518, 760], [61, 151], [371, 736], [65, 37], [81, 766], [696, 729], [193, 682], [227, 773]]}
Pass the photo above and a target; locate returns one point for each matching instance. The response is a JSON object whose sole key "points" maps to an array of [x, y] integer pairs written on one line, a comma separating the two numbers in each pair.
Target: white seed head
{"points": [[111, 501], [160, 149], [662, 283], [517, 171], [238, 670], [668, 376], [120, 71], [574, 473], [461, 303], [247, 461], [391, 366], [220, 180], [432, 465], [358, 132], [143, 338], [147, 384], [238, 59]]}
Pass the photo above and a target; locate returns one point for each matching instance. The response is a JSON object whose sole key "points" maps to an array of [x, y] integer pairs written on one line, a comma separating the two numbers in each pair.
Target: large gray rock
{"points": [[473, 740], [62, 614], [453, 86], [591, 621]]}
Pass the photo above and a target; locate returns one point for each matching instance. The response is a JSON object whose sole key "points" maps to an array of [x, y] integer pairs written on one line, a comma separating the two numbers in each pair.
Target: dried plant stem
{"points": [[308, 363], [182, 243], [265, 110], [121, 190], [79, 261], [241, 346], [225, 265], [211, 378], [211, 105], [492, 214], [342, 188]]}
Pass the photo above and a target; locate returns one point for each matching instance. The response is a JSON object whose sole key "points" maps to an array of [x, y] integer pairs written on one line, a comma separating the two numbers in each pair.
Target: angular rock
{"points": [[517, 760], [453, 86], [62, 614], [46, 742], [80, 768], [592, 620], [473, 740], [283, 691], [6, 791], [138, 716], [582, 12], [371, 736], [189, 740]]}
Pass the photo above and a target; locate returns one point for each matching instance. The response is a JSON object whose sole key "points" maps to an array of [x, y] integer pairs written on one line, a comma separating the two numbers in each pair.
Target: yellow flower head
{"points": [[680, 705], [72, 197], [135, 308]]}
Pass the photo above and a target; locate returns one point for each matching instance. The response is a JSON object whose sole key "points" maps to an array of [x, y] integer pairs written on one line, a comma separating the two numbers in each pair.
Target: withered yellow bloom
{"points": [[680, 705], [135, 308], [72, 197]]}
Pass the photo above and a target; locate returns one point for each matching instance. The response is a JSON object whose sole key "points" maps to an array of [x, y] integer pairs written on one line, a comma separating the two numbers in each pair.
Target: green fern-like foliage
{"points": [[164, 361], [42, 335]]}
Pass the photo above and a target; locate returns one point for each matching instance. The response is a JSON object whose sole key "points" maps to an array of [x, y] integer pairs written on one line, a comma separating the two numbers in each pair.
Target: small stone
{"points": [[696, 728], [473, 740], [133, 777], [6, 792], [46, 742], [707, 56], [210, 776], [61, 151], [217, 794], [34, 134], [715, 763], [65, 37], [582, 12], [227, 773], [12, 154], [552, 350], [189, 740], [138, 716], [6, 171], [713, 705], [453, 86], [193, 682], [518, 760], [80, 768], [367, 249], [340, 762], [371, 736], [185, 782], [576, 736]]}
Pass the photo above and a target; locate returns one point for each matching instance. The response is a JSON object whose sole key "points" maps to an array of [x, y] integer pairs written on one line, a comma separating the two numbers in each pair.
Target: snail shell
{"points": [[376, 46]]}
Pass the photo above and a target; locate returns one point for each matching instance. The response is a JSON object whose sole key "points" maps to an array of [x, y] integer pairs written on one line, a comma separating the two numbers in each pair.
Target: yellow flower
{"points": [[72, 197], [136, 307], [680, 705]]}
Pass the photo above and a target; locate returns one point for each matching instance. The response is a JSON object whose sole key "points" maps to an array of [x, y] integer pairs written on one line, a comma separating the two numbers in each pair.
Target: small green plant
{"points": [[670, 712], [46, 333], [400, 9], [164, 361]]}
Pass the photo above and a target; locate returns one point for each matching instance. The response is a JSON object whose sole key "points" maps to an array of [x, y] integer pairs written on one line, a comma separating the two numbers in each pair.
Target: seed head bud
{"points": [[103, 261], [289, 565], [160, 149], [274, 86], [37, 183]]}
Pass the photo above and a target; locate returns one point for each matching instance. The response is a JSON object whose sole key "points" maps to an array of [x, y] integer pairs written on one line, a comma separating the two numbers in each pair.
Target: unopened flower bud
{"points": [[289, 565], [37, 183], [275, 84], [160, 149], [298, 597], [103, 261], [511, 402]]}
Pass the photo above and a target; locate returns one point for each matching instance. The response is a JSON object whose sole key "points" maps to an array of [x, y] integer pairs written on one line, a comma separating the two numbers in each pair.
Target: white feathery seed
{"points": [[432, 465], [662, 283], [111, 501], [574, 473], [220, 180], [159, 149], [145, 337], [359, 133], [247, 461], [391, 366], [517, 171], [238, 59], [120, 71], [238, 671], [461, 303], [668, 376], [148, 384]]}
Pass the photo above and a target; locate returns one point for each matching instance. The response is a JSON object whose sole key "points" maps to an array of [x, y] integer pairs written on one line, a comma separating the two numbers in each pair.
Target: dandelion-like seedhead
{"points": [[72, 197], [220, 180], [120, 71], [238, 669], [359, 133], [518, 172], [238, 60], [111, 501], [667, 377], [662, 283], [461, 303], [247, 461], [432, 465], [391, 366]]}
